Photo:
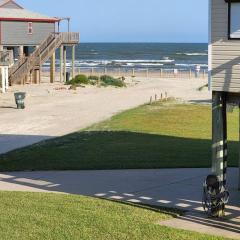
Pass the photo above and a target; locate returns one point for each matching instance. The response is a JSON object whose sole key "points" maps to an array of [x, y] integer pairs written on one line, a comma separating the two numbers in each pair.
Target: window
{"points": [[30, 28], [234, 19]]}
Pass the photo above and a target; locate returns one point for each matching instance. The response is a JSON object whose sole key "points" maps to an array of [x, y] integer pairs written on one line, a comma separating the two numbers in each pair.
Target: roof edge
{"points": [[30, 20]]}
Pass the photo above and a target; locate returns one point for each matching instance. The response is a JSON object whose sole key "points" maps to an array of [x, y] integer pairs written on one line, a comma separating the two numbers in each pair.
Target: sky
{"points": [[130, 20]]}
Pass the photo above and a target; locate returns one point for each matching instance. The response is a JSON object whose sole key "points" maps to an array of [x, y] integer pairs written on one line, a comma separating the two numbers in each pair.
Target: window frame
{"points": [[30, 28], [230, 18]]}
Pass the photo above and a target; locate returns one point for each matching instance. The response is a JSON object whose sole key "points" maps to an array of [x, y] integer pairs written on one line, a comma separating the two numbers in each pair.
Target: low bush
{"points": [[104, 80], [79, 79], [93, 82], [96, 78], [111, 81]]}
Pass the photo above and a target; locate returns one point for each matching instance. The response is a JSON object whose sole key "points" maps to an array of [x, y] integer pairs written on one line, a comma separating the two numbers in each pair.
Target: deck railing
{"points": [[70, 37]]}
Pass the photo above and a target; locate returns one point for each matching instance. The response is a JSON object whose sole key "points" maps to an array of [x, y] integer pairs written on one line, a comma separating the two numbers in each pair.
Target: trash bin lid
{"points": [[20, 95]]}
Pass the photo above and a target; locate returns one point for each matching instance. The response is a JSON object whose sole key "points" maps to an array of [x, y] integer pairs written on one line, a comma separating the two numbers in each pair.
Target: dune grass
{"points": [[33, 216], [161, 135]]}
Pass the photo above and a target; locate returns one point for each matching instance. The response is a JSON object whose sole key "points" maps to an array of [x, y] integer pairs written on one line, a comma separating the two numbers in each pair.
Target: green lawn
{"points": [[56, 216], [163, 135]]}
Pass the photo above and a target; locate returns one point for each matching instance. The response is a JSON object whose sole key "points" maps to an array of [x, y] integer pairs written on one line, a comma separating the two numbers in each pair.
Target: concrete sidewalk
{"points": [[178, 188]]}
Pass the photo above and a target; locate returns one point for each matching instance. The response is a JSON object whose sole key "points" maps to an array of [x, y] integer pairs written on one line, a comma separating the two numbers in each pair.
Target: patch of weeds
{"points": [[79, 79], [107, 80]]}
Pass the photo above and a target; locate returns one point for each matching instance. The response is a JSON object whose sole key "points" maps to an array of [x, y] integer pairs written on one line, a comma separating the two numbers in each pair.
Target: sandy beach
{"points": [[52, 110]]}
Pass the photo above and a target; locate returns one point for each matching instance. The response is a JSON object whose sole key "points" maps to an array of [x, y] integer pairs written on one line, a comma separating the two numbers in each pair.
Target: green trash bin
{"points": [[19, 98]]}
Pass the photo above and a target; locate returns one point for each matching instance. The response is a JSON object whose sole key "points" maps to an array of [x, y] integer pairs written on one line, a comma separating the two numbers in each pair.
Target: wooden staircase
{"points": [[24, 66]]}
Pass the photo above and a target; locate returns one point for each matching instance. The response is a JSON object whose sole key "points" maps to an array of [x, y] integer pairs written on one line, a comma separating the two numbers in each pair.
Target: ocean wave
{"points": [[151, 64], [124, 63], [163, 63], [144, 61], [193, 54], [86, 64], [190, 65]]}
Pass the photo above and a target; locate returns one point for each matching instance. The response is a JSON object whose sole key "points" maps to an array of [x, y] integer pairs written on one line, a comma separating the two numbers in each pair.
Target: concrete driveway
{"points": [[178, 188]]}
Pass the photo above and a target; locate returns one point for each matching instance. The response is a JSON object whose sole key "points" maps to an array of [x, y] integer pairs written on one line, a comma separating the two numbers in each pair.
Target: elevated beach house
{"points": [[32, 38], [224, 77]]}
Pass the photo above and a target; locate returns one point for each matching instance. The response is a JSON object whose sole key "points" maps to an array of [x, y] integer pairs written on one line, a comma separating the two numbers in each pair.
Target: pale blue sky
{"points": [[131, 20]]}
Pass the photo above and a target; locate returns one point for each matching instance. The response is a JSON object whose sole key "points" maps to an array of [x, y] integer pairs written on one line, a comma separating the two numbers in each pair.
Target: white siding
{"points": [[225, 53], [16, 33]]}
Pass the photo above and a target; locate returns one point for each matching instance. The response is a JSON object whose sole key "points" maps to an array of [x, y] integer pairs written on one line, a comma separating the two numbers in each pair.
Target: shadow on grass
{"points": [[103, 150], [174, 212], [227, 224]]}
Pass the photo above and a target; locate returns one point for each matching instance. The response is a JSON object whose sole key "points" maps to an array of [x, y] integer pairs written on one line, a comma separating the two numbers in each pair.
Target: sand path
{"points": [[51, 112]]}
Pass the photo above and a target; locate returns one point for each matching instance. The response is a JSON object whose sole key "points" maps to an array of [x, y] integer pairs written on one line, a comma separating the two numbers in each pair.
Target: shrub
{"points": [[82, 79], [79, 79], [96, 78], [93, 82], [111, 81], [106, 78]]}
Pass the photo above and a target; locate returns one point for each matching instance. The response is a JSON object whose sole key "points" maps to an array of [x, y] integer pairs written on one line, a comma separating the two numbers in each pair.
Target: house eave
{"points": [[30, 20]]}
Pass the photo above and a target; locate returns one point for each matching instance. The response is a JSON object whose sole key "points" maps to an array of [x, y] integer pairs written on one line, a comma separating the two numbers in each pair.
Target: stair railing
{"points": [[42, 53]]}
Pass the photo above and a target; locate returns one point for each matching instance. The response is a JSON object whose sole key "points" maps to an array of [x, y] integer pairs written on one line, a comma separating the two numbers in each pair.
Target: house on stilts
{"points": [[224, 76], [29, 39]]}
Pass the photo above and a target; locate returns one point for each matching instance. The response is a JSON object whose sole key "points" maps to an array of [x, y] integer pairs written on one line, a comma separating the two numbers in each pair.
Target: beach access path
{"points": [[52, 110]]}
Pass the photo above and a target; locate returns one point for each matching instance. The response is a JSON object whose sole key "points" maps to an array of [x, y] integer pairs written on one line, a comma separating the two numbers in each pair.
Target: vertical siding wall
{"points": [[16, 33], [225, 54]]}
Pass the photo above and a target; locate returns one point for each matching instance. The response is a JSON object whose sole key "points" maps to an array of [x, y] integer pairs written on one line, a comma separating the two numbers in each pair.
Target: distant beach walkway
{"points": [[52, 110]]}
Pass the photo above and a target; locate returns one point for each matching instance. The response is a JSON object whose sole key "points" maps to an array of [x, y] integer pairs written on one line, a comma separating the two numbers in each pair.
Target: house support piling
{"points": [[73, 61], [20, 52], [53, 68], [64, 63], [3, 80], [40, 71], [35, 76], [219, 134], [6, 78], [239, 151], [219, 144], [61, 64]]}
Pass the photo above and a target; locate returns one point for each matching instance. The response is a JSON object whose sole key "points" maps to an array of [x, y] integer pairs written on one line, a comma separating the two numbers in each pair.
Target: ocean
{"points": [[141, 55]]}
